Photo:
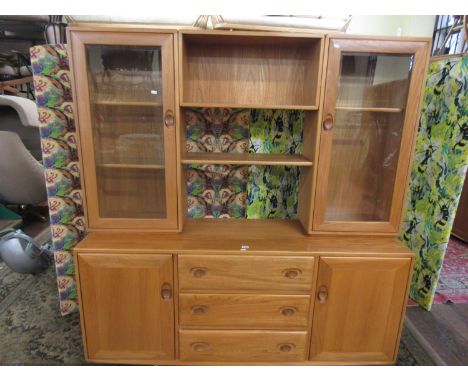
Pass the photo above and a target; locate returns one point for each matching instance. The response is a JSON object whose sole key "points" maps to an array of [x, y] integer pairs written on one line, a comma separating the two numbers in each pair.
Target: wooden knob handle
{"points": [[322, 294], [288, 310], [200, 346], [199, 309], [169, 119], [327, 123], [198, 272], [291, 273], [166, 291], [286, 348]]}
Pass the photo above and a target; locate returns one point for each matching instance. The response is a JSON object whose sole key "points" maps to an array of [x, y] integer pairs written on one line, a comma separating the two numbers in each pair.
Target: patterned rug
{"points": [[453, 281], [32, 331]]}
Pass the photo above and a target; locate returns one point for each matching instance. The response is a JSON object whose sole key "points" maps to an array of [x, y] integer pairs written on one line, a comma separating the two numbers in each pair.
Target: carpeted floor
{"points": [[32, 331]]}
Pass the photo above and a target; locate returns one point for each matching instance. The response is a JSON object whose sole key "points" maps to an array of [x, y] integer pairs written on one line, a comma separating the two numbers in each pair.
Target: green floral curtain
{"points": [[437, 174]]}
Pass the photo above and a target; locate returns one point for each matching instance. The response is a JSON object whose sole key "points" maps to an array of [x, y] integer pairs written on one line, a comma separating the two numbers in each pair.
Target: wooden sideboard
{"points": [[157, 287]]}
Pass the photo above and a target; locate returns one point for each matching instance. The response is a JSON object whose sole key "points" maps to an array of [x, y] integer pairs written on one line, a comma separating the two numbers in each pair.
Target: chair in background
{"points": [[21, 174], [19, 115]]}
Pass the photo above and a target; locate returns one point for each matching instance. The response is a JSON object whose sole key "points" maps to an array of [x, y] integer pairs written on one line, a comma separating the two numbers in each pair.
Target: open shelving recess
{"points": [[245, 70], [262, 71]]}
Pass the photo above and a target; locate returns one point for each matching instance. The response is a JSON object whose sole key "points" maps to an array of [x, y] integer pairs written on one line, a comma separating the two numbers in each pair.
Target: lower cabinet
{"points": [[349, 310], [359, 308], [127, 306]]}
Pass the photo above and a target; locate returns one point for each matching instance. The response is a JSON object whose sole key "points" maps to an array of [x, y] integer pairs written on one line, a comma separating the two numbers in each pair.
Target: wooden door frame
{"points": [[79, 39], [337, 46]]}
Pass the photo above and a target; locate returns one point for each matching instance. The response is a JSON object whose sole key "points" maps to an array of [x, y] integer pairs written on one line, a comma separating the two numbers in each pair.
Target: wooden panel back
{"points": [[256, 70]]}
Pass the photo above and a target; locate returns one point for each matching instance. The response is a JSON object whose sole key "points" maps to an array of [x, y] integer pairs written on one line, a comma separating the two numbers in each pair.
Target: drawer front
{"points": [[231, 345], [239, 273], [232, 311]]}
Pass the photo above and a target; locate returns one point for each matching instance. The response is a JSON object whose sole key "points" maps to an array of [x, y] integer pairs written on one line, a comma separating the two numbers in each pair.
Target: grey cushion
{"points": [[21, 175]]}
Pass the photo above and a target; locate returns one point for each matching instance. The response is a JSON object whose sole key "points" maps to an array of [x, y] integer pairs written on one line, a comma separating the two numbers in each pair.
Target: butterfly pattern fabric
{"points": [[438, 173], [272, 191]]}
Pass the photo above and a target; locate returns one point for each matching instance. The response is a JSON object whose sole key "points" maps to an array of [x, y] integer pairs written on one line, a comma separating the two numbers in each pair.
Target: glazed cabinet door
{"points": [[359, 308], [369, 121], [124, 92], [127, 307]]}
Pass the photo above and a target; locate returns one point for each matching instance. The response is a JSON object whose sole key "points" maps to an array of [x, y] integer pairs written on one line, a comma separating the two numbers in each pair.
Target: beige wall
{"points": [[410, 26]]}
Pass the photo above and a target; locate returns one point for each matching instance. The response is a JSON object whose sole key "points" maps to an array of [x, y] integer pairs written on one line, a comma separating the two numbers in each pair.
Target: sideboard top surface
{"points": [[248, 237]]}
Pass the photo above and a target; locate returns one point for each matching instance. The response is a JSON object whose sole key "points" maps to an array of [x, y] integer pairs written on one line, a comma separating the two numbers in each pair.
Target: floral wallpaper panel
{"points": [[272, 191], [52, 87]]}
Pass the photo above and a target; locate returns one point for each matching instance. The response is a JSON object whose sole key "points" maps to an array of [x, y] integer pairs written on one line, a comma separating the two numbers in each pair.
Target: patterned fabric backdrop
{"points": [[60, 158], [253, 192], [272, 191], [438, 173], [216, 191], [217, 130]]}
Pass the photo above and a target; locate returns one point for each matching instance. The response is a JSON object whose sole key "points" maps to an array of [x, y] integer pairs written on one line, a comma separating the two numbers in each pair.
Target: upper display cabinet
{"points": [[369, 118], [181, 124], [125, 98]]}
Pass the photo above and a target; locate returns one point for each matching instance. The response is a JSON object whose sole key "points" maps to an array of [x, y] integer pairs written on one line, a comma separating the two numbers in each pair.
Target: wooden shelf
{"points": [[249, 106], [128, 103], [130, 165], [370, 109], [246, 159]]}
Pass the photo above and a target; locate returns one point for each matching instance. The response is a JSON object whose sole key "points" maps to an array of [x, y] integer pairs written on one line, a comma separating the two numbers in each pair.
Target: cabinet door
{"points": [[359, 307], [370, 117], [124, 92], [127, 306]]}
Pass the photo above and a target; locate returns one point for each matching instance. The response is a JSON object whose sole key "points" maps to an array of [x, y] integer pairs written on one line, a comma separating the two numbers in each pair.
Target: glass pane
{"points": [[367, 134], [374, 81], [125, 90]]}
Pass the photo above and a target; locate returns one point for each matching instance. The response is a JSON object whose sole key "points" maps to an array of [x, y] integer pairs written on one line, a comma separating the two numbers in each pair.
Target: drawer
{"points": [[238, 345], [240, 273], [237, 311]]}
